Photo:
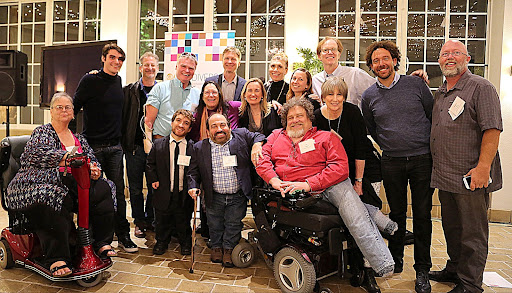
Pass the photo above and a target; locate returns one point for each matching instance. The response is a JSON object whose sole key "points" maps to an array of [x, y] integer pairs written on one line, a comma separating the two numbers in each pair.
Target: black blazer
{"points": [[200, 170], [240, 82], [158, 169], [270, 122]]}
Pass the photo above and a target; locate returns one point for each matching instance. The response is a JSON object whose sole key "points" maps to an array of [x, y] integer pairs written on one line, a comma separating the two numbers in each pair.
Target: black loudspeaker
{"points": [[13, 78]]}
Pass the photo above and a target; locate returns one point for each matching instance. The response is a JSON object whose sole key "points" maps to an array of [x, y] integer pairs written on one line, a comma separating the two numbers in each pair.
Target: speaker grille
{"points": [[7, 87]]}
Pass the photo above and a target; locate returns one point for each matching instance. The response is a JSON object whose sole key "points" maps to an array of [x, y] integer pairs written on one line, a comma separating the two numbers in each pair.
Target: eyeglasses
{"points": [[329, 50], [188, 54], [454, 54], [211, 93], [62, 108]]}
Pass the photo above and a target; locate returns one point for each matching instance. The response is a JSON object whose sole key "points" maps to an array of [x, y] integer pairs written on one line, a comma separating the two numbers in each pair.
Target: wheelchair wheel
{"points": [[6, 261], [91, 281], [293, 273], [243, 255]]}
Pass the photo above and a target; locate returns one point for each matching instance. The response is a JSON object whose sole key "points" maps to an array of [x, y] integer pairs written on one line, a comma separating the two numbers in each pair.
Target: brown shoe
{"points": [[216, 255], [226, 259]]}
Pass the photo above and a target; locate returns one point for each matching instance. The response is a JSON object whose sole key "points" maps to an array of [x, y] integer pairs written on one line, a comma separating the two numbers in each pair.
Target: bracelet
{"points": [[359, 179]]}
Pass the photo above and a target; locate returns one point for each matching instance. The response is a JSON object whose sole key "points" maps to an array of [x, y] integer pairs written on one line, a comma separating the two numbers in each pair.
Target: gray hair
{"points": [[59, 95], [293, 102], [146, 55]]}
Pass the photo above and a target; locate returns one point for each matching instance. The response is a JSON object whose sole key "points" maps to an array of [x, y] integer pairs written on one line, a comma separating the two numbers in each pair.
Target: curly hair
{"points": [[186, 113], [304, 103], [386, 45]]}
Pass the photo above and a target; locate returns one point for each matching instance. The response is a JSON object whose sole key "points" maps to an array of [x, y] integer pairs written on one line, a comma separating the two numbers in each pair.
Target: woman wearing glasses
{"points": [[46, 193]]}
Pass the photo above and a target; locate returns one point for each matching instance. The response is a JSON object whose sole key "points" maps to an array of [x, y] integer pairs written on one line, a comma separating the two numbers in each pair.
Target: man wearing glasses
{"points": [[329, 52], [466, 126], [101, 96], [168, 96]]}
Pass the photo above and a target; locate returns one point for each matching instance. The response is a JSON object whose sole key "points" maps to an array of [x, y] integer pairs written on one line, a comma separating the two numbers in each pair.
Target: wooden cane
{"points": [[192, 260]]}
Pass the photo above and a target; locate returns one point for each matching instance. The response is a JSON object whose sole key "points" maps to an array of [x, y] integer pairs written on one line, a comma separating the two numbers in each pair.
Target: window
{"points": [[154, 23], [262, 39], [24, 27]]}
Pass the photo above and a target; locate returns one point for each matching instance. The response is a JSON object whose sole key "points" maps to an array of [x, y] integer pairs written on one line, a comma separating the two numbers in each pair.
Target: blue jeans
{"points": [[111, 160], [397, 173], [135, 167], [360, 225], [225, 219]]}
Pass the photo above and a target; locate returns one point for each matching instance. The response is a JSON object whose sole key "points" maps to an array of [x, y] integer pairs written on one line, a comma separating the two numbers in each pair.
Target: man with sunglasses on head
{"points": [[168, 96], [101, 96]]}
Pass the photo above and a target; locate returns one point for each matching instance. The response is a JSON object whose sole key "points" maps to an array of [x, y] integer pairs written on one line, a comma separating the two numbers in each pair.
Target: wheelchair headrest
{"points": [[11, 149]]}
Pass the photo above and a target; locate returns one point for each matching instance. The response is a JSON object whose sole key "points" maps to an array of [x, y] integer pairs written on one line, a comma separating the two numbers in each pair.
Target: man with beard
{"points": [[173, 206], [300, 157], [466, 126], [222, 163], [397, 110]]}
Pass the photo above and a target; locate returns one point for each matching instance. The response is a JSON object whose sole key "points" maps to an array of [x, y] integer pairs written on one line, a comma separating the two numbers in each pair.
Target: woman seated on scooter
{"points": [[46, 192]]}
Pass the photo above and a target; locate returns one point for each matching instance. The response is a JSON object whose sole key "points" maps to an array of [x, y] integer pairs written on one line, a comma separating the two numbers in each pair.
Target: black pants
{"points": [[176, 216], [101, 210], [397, 173], [53, 228], [466, 230]]}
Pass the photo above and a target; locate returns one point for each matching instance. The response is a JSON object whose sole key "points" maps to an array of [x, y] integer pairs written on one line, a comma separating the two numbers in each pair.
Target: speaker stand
{"points": [[7, 132]]}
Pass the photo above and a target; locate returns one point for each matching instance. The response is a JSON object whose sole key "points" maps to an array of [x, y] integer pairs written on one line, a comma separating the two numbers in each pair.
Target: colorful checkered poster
{"points": [[206, 46]]}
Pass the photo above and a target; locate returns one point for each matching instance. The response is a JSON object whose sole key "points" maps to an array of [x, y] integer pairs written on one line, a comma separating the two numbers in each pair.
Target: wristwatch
{"points": [[359, 179]]}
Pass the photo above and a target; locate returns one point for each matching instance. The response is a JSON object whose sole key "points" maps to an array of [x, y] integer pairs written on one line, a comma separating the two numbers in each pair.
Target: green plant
{"points": [[311, 62]]}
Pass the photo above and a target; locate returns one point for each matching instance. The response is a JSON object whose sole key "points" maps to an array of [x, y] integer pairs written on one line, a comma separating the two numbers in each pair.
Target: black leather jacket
{"points": [[130, 122]]}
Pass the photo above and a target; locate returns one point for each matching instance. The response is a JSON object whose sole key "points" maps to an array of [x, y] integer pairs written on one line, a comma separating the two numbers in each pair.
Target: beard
{"points": [[457, 70], [296, 133]]}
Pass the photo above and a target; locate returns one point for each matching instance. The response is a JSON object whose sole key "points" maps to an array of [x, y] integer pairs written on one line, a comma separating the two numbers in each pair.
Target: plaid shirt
{"points": [[224, 178]]}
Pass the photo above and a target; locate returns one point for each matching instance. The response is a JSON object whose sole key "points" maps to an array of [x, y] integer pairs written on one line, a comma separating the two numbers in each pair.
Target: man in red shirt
{"points": [[300, 157]]}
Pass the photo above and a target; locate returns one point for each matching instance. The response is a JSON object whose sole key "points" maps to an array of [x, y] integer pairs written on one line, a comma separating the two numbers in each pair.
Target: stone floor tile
{"points": [[252, 282], [37, 288], [129, 278], [15, 274], [218, 278], [240, 271], [137, 289], [148, 260], [164, 283], [12, 285], [108, 287], [154, 271], [194, 286], [261, 290], [219, 288], [185, 274], [263, 272], [126, 267], [207, 267], [38, 279]]}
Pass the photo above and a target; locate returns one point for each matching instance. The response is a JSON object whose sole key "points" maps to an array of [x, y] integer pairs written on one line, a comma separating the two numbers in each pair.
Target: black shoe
{"points": [[185, 249], [369, 284], [208, 243], [399, 266], [444, 276], [160, 248], [422, 282], [458, 289], [126, 243]]}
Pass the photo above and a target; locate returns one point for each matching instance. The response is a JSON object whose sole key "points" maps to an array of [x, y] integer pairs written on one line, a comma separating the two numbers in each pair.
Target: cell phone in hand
{"points": [[467, 181]]}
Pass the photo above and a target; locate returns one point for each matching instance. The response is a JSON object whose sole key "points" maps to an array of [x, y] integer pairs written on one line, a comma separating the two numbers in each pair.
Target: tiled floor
{"points": [[143, 272]]}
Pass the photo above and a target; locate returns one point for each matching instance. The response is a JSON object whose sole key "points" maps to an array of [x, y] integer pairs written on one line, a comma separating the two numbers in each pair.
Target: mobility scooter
{"points": [[19, 246], [302, 238]]}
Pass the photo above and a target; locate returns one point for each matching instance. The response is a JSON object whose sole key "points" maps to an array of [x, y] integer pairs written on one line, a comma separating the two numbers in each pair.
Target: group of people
{"points": [[309, 135]]}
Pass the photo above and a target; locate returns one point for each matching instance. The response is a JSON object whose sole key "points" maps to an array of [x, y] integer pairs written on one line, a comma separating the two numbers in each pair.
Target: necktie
{"points": [[176, 180]]}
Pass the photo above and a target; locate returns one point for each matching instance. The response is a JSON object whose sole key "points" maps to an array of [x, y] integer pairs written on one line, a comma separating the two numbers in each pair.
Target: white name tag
{"points": [[229, 161], [183, 160], [457, 108], [307, 146]]}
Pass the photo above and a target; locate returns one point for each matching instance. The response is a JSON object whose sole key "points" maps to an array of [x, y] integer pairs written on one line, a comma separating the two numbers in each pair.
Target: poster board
{"points": [[207, 46]]}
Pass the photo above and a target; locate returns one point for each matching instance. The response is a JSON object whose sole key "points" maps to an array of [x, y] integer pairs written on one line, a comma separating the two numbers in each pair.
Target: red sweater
{"points": [[322, 167]]}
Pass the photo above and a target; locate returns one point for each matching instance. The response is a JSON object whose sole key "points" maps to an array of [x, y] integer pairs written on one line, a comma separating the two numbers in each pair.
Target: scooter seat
{"points": [[305, 220]]}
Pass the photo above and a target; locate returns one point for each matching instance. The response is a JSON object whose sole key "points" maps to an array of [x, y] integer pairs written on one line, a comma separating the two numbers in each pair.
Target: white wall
{"points": [[501, 199]]}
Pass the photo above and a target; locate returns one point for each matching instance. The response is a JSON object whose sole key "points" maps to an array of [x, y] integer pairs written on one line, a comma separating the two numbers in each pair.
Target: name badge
{"points": [[307, 146], [456, 108], [183, 160], [229, 161]]}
